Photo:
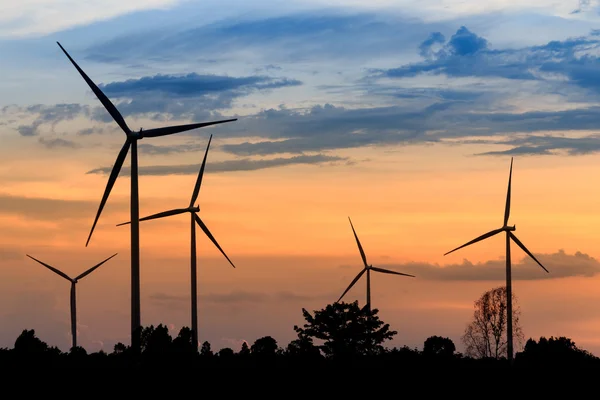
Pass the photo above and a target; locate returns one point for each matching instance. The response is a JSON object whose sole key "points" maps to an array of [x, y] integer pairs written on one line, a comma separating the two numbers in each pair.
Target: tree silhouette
{"points": [[244, 351], [205, 350], [346, 330], [156, 341], [28, 343], [264, 347], [558, 351], [485, 336], [439, 346], [184, 343]]}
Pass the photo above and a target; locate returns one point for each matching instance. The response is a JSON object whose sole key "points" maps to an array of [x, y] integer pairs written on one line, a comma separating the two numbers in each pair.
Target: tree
{"points": [[485, 336], [156, 341], [346, 330], [183, 343], [244, 351], [439, 346], [205, 350], [303, 347], [555, 351], [264, 347], [28, 343]]}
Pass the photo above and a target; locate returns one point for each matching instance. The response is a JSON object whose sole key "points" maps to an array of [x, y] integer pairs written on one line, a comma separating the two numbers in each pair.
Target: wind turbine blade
{"points": [[169, 130], [112, 110], [159, 215], [522, 246], [89, 271], [111, 181], [387, 271], [362, 253], [200, 174], [507, 208], [52, 268], [211, 237], [484, 236], [352, 283]]}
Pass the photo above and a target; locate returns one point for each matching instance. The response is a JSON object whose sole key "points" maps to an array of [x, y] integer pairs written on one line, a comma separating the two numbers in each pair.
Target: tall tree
{"points": [[485, 336], [346, 330]]}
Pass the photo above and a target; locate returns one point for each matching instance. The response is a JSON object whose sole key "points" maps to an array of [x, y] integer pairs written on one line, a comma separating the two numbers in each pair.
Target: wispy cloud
{"points": [[559, 265], [235, 297], [226, 166], [39, 17], [48, 209]]}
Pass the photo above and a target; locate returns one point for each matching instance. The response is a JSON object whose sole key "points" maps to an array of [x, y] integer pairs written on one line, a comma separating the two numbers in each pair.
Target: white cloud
{"points": [[25, 18], [437, 10]]}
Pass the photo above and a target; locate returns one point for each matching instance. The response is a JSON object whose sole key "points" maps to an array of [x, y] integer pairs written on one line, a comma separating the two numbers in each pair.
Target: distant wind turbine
{"points": [[367, 268], [131, 141], [195, 219], [509, 235], [73, 297]]}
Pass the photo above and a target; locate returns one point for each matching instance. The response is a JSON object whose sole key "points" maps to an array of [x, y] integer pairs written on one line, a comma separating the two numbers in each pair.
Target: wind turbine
{"points": [[131, 142], [194, 219], [367, 268], [509, 235], [73, 297]]}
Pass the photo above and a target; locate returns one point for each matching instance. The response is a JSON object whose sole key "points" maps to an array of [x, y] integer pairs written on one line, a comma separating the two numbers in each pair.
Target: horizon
{"points": [[402, 117]]}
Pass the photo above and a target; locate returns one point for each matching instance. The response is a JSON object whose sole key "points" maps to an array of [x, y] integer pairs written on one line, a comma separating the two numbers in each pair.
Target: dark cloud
{"points": [[467, 54], [559, 265], [90, 131], [154, 150], [50, 114], [547, 145], [57, 143], [194, 85], [225, 166]]}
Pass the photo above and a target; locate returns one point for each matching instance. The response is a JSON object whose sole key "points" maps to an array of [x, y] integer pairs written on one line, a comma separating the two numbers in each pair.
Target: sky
{"points": [[401, 115]]}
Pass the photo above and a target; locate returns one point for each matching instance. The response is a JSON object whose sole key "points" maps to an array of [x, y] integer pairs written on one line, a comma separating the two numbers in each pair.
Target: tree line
{"points": [[341, 334]]}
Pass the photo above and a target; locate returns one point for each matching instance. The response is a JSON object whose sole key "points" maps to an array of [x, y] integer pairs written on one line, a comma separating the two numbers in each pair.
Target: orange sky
{"points": [[287, 231]]}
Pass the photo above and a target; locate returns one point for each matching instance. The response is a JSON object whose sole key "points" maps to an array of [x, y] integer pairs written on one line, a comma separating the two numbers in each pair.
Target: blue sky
{"points": [[397, 69]]}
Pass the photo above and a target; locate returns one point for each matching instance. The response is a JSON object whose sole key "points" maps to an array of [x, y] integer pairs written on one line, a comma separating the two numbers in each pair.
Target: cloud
{"points": [[190, 95], [50, 114], [559, 265], [154, 150], [39, 17], [574, 60], [225, 166], [193, 85], [47, 209], [234, 297], [310, 35], [57, 143], [547, 145]]}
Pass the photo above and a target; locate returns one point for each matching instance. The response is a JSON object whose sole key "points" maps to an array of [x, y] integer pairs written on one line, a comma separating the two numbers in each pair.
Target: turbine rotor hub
{"points": [[509, 228], [194, 208]]}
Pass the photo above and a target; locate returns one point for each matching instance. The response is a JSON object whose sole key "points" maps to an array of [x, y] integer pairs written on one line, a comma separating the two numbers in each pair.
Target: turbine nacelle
{"points": [[194, 209], [509, 228]]}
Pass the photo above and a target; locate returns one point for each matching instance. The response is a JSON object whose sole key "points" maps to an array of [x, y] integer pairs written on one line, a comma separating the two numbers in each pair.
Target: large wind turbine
{"points": [[194, 219], [509, 235], [131, 141], [367, 268], [73, 297]]}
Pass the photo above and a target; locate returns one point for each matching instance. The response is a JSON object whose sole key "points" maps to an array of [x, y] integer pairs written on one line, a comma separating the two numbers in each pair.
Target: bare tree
{"points": [[485, 336]]}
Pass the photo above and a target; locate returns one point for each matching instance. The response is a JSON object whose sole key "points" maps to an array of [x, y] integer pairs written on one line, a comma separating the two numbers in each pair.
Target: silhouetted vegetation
{"points": [[341, 334]]}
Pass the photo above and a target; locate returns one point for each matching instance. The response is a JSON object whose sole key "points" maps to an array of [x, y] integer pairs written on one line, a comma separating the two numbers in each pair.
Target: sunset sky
{"points": [[401, 115]]}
